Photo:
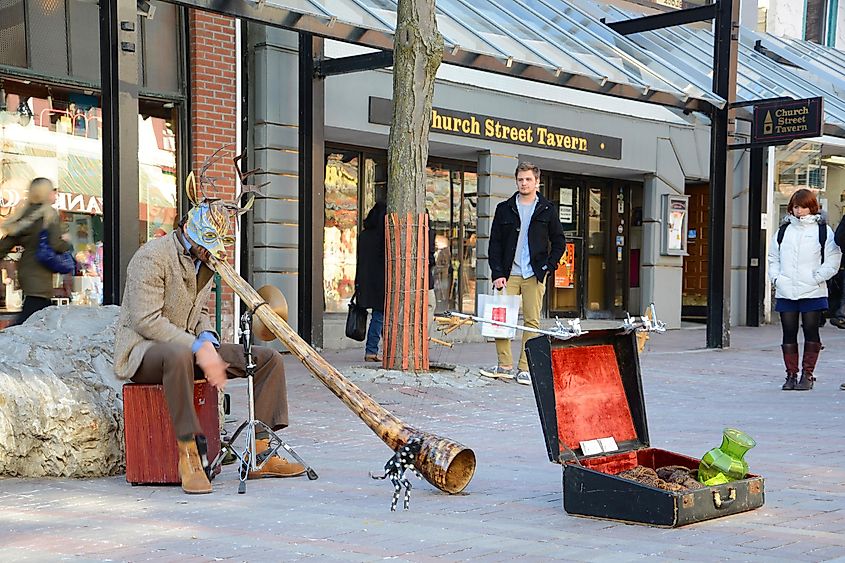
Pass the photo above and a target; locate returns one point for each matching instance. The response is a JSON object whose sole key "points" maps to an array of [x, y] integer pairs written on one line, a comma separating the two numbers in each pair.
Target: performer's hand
{"points": [[212, 365], [500, 283]]}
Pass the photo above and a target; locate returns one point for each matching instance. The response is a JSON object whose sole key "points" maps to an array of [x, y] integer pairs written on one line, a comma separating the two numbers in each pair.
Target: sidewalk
{"points": [[511, 509]]}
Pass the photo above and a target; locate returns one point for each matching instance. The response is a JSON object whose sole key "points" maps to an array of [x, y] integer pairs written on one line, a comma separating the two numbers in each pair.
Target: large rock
{"points": [[61, 412]]}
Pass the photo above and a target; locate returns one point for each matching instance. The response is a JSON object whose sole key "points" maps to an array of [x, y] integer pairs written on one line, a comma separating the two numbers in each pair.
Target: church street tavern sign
{"points": [[780, 122], [477, 126]]}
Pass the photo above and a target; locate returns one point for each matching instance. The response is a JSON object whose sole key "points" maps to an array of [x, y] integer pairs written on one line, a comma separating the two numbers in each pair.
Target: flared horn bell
{"points": [[277, 302]]}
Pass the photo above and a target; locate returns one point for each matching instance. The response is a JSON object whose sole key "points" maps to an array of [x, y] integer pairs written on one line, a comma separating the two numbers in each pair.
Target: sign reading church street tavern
{"points": [[780, 122], [484, 127]]}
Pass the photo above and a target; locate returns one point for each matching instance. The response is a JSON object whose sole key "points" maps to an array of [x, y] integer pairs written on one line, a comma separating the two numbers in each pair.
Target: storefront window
{"points": [[57, 135], [158, 187], [340, 233], [799, 165], [818, 167], [451, 200]]}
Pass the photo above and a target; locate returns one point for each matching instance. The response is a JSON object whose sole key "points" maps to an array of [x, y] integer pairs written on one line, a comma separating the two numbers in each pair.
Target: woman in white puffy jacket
{"points": [[799, 272]]}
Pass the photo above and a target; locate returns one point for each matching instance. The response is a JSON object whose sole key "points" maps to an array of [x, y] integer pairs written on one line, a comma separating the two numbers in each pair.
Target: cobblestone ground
{"points": [[513, 507]]}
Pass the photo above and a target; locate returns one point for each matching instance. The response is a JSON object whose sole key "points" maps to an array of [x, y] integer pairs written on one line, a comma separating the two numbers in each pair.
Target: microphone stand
{"points": [[249, 458]]}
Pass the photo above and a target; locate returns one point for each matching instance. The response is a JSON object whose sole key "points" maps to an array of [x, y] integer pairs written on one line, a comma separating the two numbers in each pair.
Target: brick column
{"points": [[213, 116]]}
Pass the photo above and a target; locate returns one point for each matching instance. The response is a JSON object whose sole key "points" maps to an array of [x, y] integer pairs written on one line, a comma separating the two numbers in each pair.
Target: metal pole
{"points": [[753, 291], [725, 41], [119, 73], [218, 304], [311, 198]]}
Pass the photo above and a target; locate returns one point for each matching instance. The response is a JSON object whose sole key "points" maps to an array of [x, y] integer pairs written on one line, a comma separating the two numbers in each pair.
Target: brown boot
{"points": [[276, 466], [790, 360], [194, 480], [808, 365]]}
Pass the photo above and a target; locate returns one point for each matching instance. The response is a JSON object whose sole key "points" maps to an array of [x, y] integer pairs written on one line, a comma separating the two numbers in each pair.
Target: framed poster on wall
{"points": [[675, 225]]}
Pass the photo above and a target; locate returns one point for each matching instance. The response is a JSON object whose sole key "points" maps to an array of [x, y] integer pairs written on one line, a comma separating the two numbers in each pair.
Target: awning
{"points": [[818, 63], [759, 76], [547, 41]]}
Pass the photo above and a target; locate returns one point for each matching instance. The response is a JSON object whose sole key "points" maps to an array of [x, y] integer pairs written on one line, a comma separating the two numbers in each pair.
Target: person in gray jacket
{"points": [[802, 257]]}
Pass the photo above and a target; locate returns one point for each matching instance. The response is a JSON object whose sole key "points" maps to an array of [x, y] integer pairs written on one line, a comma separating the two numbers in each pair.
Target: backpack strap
{"points": [[781, 231], [823, 237]]}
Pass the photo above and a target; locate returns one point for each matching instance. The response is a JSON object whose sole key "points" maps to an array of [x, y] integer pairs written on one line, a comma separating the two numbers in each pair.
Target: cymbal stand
{"points": [[249, 459]]}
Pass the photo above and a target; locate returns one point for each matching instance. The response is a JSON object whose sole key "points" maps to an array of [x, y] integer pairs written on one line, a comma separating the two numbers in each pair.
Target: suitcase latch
{"points": [[718, 502]]}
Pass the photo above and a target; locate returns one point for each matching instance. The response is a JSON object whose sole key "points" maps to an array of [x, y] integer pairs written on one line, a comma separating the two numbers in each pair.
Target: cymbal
{"points": [[277, 302]]}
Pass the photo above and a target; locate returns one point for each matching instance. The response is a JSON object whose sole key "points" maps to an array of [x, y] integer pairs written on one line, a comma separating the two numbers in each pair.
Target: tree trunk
{"points": [[417, 52]]}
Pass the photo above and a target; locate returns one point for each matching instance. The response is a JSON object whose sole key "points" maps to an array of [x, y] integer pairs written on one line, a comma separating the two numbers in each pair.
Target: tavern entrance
{"points": [[599, 272]]}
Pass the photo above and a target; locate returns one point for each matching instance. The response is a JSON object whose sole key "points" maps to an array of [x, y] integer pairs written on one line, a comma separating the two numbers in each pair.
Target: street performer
{"points": [[165, 336]]}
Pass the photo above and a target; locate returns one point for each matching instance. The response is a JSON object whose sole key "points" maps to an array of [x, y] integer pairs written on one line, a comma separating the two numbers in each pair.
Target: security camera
{"points": [[146, 9]]}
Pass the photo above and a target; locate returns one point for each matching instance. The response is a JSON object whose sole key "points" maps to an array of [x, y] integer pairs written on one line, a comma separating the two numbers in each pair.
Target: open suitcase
{"points": [[590, 387]]}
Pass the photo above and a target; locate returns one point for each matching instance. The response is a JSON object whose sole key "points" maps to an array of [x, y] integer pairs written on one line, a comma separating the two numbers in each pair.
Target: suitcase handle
{"points": [[719, 502]]}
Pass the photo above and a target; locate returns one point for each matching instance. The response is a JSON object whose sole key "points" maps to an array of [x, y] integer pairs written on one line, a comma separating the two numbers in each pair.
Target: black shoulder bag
{"points": [[356, 320]]}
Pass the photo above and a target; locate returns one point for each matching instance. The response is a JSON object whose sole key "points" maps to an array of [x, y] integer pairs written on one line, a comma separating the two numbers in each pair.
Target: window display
{"points": [[355, 180], [55, 133], [340, 232]]}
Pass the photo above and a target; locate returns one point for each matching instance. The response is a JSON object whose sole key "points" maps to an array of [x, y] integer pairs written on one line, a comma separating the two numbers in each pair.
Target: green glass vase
{"points": [[726, 463]]}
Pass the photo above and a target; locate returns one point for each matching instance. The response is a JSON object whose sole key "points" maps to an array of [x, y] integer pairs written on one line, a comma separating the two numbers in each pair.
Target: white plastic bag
{"points": [[502, 308]]}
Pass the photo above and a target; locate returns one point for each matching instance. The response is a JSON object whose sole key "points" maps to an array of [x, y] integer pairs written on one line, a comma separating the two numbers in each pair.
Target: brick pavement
{"points": [[512, 509]]}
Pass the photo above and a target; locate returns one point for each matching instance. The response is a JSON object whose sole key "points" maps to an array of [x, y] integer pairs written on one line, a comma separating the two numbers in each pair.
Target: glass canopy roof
{"points": [[563, 42], [549, 41], [758, 76]]}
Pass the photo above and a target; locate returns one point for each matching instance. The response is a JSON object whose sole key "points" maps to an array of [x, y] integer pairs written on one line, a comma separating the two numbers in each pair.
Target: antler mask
{"points": [[208, 222]]}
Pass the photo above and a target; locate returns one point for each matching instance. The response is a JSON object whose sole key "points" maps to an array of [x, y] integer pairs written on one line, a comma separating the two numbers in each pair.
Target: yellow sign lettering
{"points": [[514, 132]]}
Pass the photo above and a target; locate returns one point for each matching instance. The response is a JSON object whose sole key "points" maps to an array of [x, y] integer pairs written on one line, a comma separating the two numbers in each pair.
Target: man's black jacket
{"points": [[545, 238]]}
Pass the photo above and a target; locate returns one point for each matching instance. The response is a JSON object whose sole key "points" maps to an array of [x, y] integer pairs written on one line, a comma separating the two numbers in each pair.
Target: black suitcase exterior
{"points": [[590, 387]]}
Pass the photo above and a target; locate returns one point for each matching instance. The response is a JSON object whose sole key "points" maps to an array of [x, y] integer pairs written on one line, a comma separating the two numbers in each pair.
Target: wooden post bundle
{"points": [[447, 465]]}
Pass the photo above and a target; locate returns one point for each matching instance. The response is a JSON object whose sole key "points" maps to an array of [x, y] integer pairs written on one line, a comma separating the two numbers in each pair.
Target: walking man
{"points": [[526, 243]]}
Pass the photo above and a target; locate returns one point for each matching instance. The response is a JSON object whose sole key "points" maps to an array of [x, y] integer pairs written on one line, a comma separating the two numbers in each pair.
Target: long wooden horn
{"points": [[447, 465]]}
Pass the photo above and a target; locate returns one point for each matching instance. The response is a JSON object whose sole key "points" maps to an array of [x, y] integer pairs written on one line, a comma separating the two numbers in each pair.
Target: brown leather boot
{"points": [[790, 360], [808, 365], [194, 480], [276, 466]]}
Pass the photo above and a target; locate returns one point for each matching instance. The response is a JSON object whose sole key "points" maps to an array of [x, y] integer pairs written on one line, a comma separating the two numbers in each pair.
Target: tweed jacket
{"points": [[165, 300]]}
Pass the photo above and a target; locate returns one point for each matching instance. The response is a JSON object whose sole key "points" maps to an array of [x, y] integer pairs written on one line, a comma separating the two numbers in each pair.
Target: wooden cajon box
{"points": [[149, 441]]}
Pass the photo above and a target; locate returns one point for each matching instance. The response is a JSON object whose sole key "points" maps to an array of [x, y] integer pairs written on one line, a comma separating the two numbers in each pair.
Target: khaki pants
{"points": [[532, 293], [172, 366]]}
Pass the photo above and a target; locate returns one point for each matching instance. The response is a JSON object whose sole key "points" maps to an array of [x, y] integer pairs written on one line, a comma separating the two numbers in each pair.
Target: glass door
{"points": [[607, 250], [621, 247], [565, 285], [598, 266]]}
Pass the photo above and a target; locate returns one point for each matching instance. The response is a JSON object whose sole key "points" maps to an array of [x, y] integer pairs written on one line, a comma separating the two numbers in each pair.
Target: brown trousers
{"points": [[172, 366]]}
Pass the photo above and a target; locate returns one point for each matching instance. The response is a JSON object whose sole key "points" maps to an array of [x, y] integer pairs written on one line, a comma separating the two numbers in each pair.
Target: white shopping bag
{"points": [[502, 308]]}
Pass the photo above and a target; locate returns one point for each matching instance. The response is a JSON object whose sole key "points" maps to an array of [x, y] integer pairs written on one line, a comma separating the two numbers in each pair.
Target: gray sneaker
{"points": [[497, 372], [523, 377]]}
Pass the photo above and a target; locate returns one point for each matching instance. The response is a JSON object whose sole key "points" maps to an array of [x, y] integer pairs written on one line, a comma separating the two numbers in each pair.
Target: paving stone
{"points": [[511, 510]]}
